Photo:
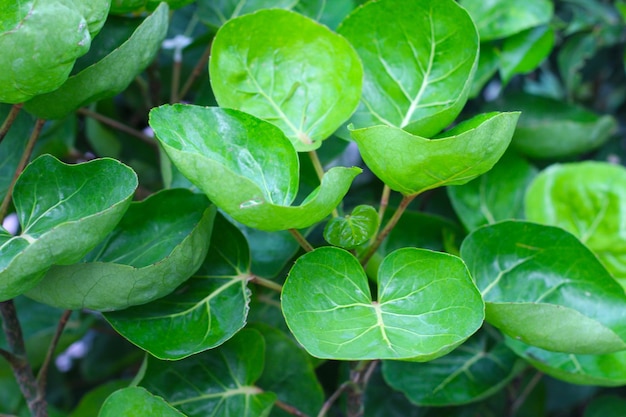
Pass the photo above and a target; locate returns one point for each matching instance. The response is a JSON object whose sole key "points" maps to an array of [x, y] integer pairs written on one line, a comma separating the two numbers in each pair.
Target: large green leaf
{"points": [[529, 273], [109, 76], [587, 199], [418, 70], [135, 402], [289, 70], [218, 382], [413, 164], [217, 12], [246, 166], [204, 312], [159, 243], [328, 306], [56, 204]]}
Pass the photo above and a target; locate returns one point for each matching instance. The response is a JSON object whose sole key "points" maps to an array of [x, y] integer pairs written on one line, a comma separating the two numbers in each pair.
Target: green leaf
{"points": [[219, 381], [488, 64], [159, 243], [587, 199], [217, 12], [498, 19], [259, 65], [109, 76], [496, 195], [529, 273], [328, 306], [523, 52], [55, 205], [12, 146], [246, 166], [418, 70], [135, 402], [605, 406], [204, 312], [353, 230], [473, 371], [94, 399], [413, 164]]}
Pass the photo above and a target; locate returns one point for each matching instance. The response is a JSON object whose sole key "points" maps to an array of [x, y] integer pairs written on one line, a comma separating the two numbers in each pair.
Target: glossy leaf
{"points": [[259, 65], [418, 70], [204, 312], [524, 51], [216, 13], [529, 273], [352, 230], [246, 166], [136, 401], [413, 164], [586, 199], [328, 306], [109, 76], [475, 370], [159, 244], [496, 195], [55, 204], [219, 382]]}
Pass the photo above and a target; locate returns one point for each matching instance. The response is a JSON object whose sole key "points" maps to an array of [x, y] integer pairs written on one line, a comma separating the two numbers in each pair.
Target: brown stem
{"points": [[8, 122], [117, 125], [290, 409], [301, 240], [42, 377], [527, 390], [331, 400], [197, 71], [175, 80], [384, 202], [266, 283]]}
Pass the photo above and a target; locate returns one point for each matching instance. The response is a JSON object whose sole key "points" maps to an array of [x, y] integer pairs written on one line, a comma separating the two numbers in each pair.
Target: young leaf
{"points": [[136, 401], [528, 274], [413, 164], [328, 306], [289, 70], [159, 243], [351, 231], [418, 70], [204, 312], [55, 205], [246, 166]]}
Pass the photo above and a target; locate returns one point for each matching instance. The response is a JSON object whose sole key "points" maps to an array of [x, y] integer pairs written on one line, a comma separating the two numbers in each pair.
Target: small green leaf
{"points": [[353, 230], [134, 402], [204, 312], [418, 70], [523, 52], [217, 12], [246, 166], [413, 164], [328, 306], [259, 65], [55, 205], [528, 274], [159, 243]]}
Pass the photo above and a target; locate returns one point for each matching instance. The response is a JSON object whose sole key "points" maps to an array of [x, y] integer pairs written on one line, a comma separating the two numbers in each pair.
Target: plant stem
{"points": [[197, 71], [175, 80], [384, 202], [266, 283], [331, 400], [8, 122], [301, 240], [519, 401], [117, 125], [290, 409], [319, 170], [42, 376]]}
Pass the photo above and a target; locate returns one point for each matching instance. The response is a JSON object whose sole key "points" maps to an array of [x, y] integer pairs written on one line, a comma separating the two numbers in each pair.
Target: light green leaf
{"points": [[352, 230], [529, 273], [413, 164], [523, 52], [289, 70], [328, 306], [136, 402], [587, 199], [246, 166], [55, 204], [159, 244], [220, 380], [418, 70], [204, 312], [217, 12], [109, 76]]}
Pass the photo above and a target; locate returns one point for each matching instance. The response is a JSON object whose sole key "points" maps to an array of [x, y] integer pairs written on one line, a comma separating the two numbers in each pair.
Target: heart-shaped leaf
{"points": [[159, 244], [418, 70], [136, 401], [246, 166], [259, 65], [529, 274], [220, 380], [413, 164], [55, 205], [204, 312], [586, 199], [351, 231], [427, 305], [109, 76]]}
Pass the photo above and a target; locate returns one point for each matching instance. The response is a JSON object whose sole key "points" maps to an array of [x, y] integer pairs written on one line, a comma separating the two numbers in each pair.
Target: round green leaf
{"points": [[413, 164], [530, 273], [289, 70], [136, 401], [56, 203], [159, 243], [204, 312], [418, 70], [587, 199], [353, 230], [328, 306], [246, 166]]}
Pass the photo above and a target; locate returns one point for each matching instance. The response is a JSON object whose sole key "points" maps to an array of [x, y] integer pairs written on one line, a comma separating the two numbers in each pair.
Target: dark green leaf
{"points": [[136, 401], [523, 52], [12, 146], [606, 406], [488, 64], [352, 230], [94, 399]]}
